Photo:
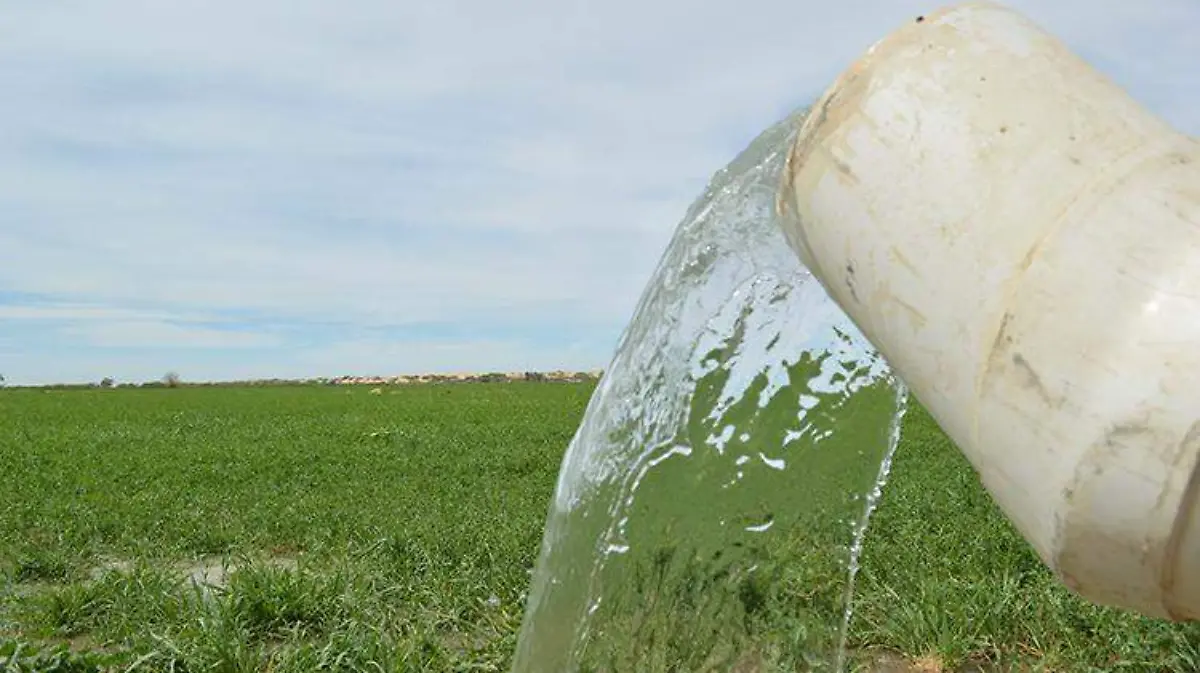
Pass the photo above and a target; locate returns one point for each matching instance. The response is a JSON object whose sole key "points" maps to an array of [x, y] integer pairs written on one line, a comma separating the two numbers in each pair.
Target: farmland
{"points": [[300, 528]]}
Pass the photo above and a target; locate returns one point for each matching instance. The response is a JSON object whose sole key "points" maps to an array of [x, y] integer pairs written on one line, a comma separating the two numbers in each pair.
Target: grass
{"points": [[325, 528], [407, 521], [945, 574]]}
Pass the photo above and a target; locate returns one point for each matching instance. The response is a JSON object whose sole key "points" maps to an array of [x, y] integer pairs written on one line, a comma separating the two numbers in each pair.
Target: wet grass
{"points": [[408, 522], [947, 578], [343, 531]]}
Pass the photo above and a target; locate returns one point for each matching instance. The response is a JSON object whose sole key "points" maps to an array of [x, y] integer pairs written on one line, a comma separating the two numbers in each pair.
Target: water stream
{"points": [[711, 509]]}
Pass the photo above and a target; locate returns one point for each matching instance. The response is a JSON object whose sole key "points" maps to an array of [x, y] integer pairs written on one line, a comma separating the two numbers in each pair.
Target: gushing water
{"points": [[711, 509], [860, 530]]}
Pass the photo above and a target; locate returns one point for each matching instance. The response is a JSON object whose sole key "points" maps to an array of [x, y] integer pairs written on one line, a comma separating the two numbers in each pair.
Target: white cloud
{"points": [[157, 334], [396, 163], [63, 312], [479, 355]]}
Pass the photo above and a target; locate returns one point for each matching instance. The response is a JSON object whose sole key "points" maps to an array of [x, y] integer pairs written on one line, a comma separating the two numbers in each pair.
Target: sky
{"points": [[303, 188]]}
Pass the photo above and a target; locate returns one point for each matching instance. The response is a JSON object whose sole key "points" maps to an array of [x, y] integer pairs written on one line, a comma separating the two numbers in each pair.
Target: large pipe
{"points": [[1021, 241]]}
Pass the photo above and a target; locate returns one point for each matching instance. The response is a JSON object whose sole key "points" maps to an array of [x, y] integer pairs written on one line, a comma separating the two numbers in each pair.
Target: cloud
{"points": [[71, 312], [475, 355], [328, 179], [156, 334]]}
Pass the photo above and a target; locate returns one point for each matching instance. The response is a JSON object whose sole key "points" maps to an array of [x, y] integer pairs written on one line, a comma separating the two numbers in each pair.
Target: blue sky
{"points": [[307, 188]]}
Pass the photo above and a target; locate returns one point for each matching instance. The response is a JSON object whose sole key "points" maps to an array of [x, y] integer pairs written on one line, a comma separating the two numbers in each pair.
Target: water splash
{"points": [[860, 531], [709, 514]]}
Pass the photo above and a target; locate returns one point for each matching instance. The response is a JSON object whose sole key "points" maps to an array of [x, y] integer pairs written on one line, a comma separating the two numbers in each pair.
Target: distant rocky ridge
{"points": [[559, 376], [493, 377]]}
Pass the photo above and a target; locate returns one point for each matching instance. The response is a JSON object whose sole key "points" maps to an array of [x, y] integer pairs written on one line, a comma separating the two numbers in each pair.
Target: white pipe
{"points": [[1021, 240]]}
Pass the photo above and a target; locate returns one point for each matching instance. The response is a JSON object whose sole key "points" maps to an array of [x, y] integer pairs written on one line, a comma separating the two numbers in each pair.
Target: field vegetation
{"points": [[326, 528]]}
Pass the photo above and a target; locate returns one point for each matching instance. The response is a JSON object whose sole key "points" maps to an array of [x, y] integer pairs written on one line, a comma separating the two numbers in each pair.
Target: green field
{"points": [[326, 528]]}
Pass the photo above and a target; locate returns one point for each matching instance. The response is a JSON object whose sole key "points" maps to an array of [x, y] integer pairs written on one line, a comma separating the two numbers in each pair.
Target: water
{"points": [[711, 510]]}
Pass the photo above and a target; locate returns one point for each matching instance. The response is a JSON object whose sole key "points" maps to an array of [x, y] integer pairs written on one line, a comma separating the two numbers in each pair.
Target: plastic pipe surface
{"points": [[1021, 240]]}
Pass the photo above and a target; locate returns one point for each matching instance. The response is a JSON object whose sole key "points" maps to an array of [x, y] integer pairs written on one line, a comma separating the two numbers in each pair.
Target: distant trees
{"points": [[107, 382], [171, 379]]}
